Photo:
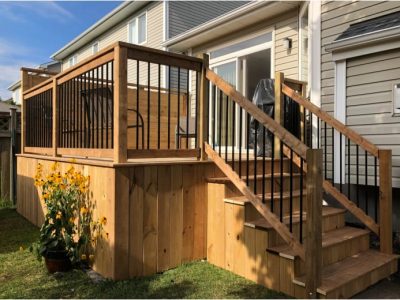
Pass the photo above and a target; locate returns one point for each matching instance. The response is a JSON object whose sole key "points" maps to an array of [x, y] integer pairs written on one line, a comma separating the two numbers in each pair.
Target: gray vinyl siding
{"points": [[184, 15], [369, 79], [336, 16], [369, 106]]}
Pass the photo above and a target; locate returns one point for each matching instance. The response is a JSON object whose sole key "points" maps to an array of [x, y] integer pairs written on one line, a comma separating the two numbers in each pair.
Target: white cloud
{"points": [[15, 11], [10, 73]]}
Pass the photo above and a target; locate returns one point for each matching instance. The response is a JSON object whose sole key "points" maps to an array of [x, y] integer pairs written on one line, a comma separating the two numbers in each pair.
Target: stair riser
{"points": [[267, 184], [259, 169], [328, 223]]}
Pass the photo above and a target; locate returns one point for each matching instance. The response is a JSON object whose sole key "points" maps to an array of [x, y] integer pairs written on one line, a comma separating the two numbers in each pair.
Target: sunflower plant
{"points": [[68, 226]]}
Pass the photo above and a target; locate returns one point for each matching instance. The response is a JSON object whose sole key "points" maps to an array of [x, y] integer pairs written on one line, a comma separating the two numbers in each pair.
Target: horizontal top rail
{"points": [[339, 126], [279, 131], [38, 89], [38, 71], [162, 57]]}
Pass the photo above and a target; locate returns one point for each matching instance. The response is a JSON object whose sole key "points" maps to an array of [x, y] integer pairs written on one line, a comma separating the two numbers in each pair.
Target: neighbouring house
{"points": [[184, 165]]}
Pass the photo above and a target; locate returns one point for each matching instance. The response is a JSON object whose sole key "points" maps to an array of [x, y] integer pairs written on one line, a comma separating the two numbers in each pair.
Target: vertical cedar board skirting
{"points": [[156, 215]]}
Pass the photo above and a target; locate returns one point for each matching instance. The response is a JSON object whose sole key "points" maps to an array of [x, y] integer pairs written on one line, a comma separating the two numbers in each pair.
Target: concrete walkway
{"points": [[388, 288]]}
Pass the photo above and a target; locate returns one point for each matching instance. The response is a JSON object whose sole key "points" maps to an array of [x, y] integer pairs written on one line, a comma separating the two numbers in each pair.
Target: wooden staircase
{"points": [[240, 240], [285, 238]]}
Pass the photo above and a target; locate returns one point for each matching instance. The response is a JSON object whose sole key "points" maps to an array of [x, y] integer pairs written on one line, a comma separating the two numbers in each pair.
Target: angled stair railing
{"points": [[255, 141], [350, 161]]}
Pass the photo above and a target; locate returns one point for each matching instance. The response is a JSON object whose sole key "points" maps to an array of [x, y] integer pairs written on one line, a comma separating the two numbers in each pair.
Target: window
{"points": [[95, 48], [73, 60], [137, 30]]}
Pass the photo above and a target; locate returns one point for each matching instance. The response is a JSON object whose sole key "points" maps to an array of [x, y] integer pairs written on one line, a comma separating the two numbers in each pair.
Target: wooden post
{"points": [[13, 136], [313, 236], [24, 87], [385, 201], [278, 107], [203, 107], [55, 115], [120, 104]]}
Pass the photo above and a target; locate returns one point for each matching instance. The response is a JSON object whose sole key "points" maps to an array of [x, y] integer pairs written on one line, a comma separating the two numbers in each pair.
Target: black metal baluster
{"points": [[263, 164], [137, 106], [272, 171], [159, 108], [169, 107], [255, 156], [148, 105], [301, 199], [187, 109], [348, 168], [340, 160], [240, 140], [214, 121], [376, 188], [318, 133], [102, 106], [107, 126], [291, 190], [196, 106], [357, 177], [112, 104], [281, 182], [325, 154], [247, 147], [92, 88], [233, 134], [366, 182], [97, 108], [220, 124], [333, 156], [226, 131]]}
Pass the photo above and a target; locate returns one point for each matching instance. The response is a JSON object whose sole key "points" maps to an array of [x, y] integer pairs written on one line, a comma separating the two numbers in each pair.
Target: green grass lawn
{"points": [[22, 276]]}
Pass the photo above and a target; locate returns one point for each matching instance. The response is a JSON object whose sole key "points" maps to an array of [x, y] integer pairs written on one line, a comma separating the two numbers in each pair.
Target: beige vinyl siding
{"points": [[286, 25], [369, 106], [335, 18]]}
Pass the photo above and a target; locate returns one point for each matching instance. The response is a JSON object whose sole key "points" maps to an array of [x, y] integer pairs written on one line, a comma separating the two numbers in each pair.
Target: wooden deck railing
{"points": [[358, 162], [125, 102]]}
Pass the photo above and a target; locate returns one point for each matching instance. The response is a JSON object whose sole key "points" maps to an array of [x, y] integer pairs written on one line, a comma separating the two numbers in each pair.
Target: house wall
{"points": [[120, 33], [285, 26], [369, 78], [184, 15], [16, 95], [156, 214]]}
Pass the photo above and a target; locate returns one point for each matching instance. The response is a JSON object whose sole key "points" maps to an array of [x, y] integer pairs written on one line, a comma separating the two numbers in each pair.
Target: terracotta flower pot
{"points": [[57, 261]]}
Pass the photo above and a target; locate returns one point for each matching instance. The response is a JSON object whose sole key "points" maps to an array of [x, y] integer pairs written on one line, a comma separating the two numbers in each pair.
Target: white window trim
{"points": [[74, 60], [339, 112], [136, 20], [98, 47]]}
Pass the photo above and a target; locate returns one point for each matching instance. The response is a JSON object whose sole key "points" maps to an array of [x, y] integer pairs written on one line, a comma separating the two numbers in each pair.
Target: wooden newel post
{"points": [[55, 120], [120, 104], [313, 236], [203, 107], [13, 134], [385, 201], [24, 87], [278, 107]]}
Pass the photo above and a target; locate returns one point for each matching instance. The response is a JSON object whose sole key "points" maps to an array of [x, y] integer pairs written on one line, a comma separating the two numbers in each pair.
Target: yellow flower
{"points": [[71, 220], [21, 248], [103, 221], [73, 160], [46, 195], [59, 215], [91, 257], [54, 166], [83, 257], [84, 210], [106, 235]]}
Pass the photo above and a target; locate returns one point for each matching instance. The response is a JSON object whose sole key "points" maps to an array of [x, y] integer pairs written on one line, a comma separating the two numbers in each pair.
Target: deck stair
{"points": [[270, 225]]}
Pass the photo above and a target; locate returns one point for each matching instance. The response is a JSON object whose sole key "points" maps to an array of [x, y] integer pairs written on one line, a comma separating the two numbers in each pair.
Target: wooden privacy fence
{"points": [[125, 102], [9, 146]]}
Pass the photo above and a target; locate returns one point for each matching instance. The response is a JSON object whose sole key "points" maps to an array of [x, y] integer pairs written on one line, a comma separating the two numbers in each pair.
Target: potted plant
{"points": [[68, 233]]}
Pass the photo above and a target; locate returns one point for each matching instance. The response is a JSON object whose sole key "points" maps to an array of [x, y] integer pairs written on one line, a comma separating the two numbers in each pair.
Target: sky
{"points": [[31, 31]]}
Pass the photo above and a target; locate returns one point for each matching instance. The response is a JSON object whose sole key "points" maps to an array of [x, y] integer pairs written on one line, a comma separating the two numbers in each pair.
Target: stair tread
{"points": [[344, 271], [264, 224], [244, 199], [329, 238], [224, 179]]}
